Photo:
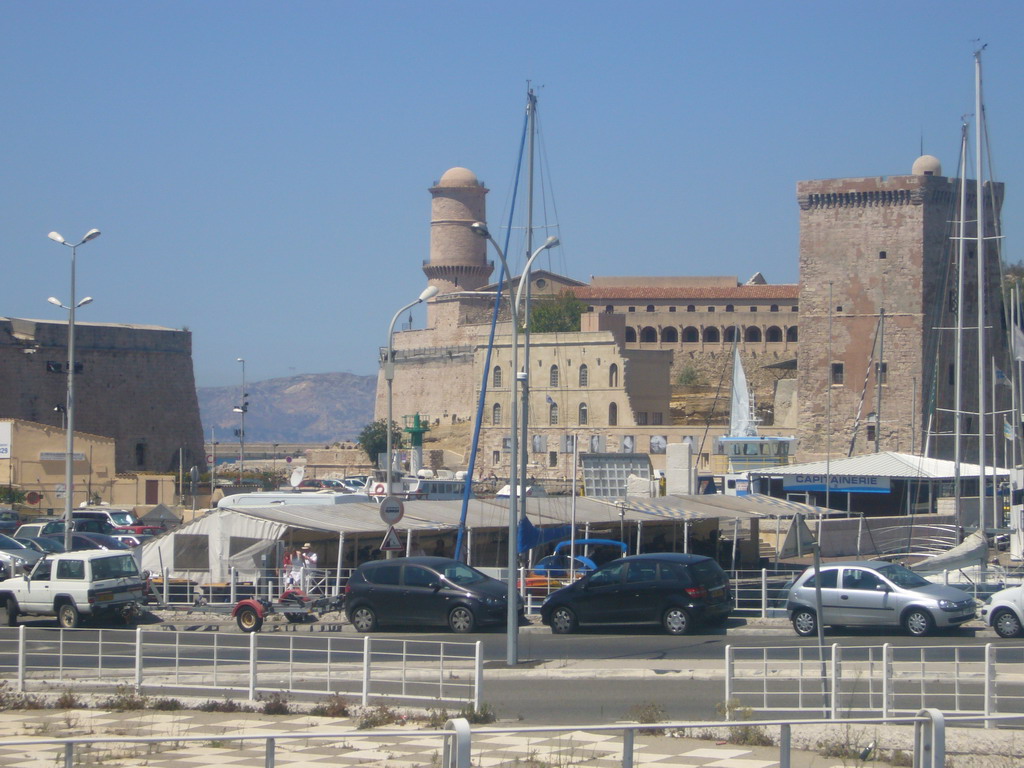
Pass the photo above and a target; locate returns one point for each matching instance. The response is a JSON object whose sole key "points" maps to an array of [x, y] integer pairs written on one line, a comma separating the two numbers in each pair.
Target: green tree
{"points": [[556, 314], [9, 495], [374, 438]]}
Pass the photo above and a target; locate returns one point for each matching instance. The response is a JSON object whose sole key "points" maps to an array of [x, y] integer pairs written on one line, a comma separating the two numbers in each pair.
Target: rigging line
{"points": [[467, 490], [863, 392]]}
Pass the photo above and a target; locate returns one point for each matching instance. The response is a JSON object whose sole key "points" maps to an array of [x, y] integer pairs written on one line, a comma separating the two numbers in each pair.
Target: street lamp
{"points": [[241, 432], [512, 630], [389, 372], [69, 457]]}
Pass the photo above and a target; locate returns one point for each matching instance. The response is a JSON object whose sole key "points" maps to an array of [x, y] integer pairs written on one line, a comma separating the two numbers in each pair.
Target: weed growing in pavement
{"points": [[743, 735], [227, 707], [125, 699], [13, 700], [334, 705], [68, 699], [374, 717], [166, 705], [276, 704], [648, 713]]}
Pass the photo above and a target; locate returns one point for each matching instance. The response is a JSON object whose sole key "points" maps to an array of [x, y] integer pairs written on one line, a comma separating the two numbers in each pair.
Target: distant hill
{"points": [[311, 408]]}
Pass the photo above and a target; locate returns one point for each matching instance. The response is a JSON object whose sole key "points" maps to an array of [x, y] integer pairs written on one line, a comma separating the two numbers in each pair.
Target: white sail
{"points": [[741, 421]]}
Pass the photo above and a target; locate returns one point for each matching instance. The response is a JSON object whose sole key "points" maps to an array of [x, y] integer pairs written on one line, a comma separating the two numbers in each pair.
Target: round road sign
{"points": [[391, 510]]}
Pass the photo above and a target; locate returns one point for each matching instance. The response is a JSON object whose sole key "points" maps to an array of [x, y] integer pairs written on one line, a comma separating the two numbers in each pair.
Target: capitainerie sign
{"points": [[850, 483]]}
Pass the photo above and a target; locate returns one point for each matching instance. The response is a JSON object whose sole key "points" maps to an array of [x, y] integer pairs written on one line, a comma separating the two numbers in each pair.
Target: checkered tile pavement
{"points": [[421, 749]]}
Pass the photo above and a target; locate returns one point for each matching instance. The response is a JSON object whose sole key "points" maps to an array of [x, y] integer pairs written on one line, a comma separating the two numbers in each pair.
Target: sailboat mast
{"points": [[531, 131], [979, 198], [958, 408]]}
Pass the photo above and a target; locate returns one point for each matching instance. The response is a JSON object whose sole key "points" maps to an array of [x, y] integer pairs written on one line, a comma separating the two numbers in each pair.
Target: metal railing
{"points": [[883, 679], [249, 664], [455, 740]]}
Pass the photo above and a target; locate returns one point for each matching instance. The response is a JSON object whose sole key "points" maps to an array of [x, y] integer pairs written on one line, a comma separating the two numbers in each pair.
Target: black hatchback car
{"points": [[424, 590], [675, 590]]}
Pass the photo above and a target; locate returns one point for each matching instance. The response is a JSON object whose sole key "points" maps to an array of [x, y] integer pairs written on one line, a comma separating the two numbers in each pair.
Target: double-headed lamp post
{"points": [[241, 432], [512, 621], [389, 373], [72, 305]]}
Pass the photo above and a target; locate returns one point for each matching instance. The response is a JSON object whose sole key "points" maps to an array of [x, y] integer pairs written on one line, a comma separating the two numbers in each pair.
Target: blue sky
{"points": [[260, 169]]}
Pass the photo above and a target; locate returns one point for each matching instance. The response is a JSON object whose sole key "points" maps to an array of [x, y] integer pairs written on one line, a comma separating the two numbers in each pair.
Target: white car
{"points": [[1004, 612]]}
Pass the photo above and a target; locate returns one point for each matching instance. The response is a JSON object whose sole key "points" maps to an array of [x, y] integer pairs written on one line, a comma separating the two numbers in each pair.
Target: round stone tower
{"points": [[458, 256]]}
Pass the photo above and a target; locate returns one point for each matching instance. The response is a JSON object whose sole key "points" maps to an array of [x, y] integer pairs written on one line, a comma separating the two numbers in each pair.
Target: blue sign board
{"points": [[841, 483]]}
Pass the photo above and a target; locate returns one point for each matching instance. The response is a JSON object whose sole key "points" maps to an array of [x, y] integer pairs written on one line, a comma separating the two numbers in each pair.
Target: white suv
{"points": [[73, 586]]}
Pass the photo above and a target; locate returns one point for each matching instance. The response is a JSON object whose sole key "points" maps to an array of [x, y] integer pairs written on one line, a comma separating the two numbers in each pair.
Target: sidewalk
{"points": [[415, 746]]}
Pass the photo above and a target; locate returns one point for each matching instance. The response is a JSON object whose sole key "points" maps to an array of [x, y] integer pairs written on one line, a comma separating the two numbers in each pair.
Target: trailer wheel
{"points": [[248, 619]]}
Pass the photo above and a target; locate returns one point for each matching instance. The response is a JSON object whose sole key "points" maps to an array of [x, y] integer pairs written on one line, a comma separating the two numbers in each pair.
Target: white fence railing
{"points": [[455, 742], [879, 679], [365, 667]]}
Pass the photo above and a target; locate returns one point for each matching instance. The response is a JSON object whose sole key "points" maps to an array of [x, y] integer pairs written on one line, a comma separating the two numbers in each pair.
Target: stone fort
{"points": [[875, 270], [134, 383]]}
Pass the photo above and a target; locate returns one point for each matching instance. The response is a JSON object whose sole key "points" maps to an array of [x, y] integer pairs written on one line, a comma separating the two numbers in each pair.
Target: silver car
{"points": [[876, 593]]}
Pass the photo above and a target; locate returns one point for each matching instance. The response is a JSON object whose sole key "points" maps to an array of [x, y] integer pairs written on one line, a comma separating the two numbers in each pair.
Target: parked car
{"points": [[9, 521], [324, 484], [677, 591], [44, 545], [424, 590], [55, 527], [876, 593], [85, 540], [1004, 612], [16, 557]]}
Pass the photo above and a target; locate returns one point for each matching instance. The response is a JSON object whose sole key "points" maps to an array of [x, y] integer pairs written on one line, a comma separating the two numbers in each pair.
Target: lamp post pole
{"points": [[241, 409], [389, 375], [69, 457], [512, 620]]}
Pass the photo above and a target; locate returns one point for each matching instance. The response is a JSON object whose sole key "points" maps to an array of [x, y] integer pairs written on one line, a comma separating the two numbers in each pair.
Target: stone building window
{"points": [[648, 335], [650, 307], [730, 308], [669, 335], [496, 377], [613, 415], [553, 414], [730, 334], [795, 308], [613, 375], [583, 414], [495, 458], [773, 308], [791, 333], [656, 417], [552, 458], [691, 334], [553, 376], [753, 309], [773, 334], [882, 373], [641, 418], [609, 309], [712, 335], [671, 309], [837, 374], [632, 309], [140, 454], [496, 414], [711, 309], [753, 334], [630, 335], [882, 255], [691, 308], [584, 376]]}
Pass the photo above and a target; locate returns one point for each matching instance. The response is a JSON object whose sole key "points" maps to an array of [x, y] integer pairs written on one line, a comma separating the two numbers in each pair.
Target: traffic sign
{"points": [[391, 542], [391, 510]]}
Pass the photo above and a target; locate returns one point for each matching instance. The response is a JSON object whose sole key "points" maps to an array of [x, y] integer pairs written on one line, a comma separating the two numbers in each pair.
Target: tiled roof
{"points": [[681, 293]]}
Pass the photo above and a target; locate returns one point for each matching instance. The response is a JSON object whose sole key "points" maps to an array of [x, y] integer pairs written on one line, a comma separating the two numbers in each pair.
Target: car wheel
{"points": [[1006, 623], [68, 616], [248, 619], [805, 623], [363, 619], [676, 621], [918, 622], [563, 621], [461, 619], [12, 612]]}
